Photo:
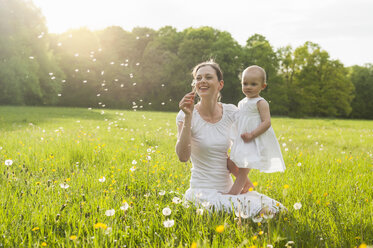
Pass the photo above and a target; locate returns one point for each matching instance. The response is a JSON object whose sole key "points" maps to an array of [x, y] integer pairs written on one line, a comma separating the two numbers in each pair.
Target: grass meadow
{"points": [[73, 177]]}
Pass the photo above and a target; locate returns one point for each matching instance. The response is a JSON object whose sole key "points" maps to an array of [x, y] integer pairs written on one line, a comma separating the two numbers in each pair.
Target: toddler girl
{"points": [[255, 145]]}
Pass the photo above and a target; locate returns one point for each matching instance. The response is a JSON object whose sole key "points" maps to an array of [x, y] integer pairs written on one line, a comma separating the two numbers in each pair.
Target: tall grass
{"points": [[51, 195]]}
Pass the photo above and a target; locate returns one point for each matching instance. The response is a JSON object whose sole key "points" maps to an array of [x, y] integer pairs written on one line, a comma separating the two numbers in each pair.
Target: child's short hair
{"points": [[259, 69]]}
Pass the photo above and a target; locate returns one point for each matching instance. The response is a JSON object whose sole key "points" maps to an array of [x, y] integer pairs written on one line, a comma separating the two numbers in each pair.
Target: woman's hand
{"points": [[187, 103]]}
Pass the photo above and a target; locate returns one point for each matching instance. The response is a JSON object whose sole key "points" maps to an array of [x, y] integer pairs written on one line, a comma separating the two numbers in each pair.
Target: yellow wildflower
{"points": [[73, 237], [286, 186], [100, 225], [220, 229], [44, 244]]}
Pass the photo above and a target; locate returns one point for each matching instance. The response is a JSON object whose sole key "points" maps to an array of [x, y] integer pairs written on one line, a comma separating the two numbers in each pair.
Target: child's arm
{"points": [[265, 116]]}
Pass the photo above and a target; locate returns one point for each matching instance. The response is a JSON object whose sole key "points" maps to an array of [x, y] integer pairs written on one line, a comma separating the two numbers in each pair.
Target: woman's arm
{"points": [[184, 132], [265, 116], [184, 137]]}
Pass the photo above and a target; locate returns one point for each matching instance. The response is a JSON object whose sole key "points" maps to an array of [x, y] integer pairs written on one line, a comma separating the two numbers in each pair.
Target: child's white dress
{"points": [[262, 153]]}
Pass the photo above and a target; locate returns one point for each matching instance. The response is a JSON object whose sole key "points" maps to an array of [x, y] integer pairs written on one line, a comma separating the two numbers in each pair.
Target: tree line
{"points": [[151, 69]]}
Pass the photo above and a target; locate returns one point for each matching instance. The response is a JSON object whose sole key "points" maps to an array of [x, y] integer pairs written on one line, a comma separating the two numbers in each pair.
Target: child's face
{"points": [[252, 83]]}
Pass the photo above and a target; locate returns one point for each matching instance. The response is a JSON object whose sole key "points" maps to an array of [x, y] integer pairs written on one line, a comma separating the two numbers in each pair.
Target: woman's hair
{"points": [[215, 66], [211, 63]]}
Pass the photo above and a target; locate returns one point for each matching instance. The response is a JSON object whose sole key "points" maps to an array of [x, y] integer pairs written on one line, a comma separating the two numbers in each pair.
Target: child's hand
{"points": [[247, 137]]}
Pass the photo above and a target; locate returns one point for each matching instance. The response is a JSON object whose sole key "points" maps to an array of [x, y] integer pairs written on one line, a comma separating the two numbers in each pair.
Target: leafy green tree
{"points": [[29, 74], [362, 78], [317, 85]]}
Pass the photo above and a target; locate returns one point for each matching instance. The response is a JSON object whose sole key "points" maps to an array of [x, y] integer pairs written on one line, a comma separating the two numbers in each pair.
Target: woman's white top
{"points": [[263, 152], [210, 177]]}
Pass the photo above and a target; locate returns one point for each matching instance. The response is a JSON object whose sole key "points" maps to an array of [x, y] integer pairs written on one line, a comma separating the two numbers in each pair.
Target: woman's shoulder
{"points": [[229, 107]]}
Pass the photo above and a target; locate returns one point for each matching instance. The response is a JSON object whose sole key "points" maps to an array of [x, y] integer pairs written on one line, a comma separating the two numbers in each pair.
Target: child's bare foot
{"points": [[247, 186]]}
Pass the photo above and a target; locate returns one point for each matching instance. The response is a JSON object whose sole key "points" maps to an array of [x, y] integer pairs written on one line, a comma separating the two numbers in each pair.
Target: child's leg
{"points": [[232, 167], [239, 182]]}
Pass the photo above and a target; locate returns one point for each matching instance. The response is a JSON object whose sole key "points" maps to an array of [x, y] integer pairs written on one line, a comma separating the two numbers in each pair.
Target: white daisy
{"points": [[125, 206], [199, 211], [297, 206], [176, 200], [166, 211], [110, 212], [8, 162], [64, 185], [168, 223]]}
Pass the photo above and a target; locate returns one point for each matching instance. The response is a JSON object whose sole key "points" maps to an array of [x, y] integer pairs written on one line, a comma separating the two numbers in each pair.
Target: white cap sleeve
{"points": [[180, 117]]}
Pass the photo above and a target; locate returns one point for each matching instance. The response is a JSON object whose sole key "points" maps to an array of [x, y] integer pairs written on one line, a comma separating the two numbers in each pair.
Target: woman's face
{"points": [[207, 84]]}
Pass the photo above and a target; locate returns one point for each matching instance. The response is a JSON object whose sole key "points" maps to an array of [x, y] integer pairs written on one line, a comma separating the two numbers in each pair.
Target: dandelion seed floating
{"points": [[31, 57]]}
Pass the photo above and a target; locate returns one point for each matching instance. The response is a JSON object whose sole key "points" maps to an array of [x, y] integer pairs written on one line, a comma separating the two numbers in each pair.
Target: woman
{"points": [[204, 137]]}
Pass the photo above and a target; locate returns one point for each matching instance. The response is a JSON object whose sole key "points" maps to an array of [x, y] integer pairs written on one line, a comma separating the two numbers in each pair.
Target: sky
{"points": [[344, 28]]}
